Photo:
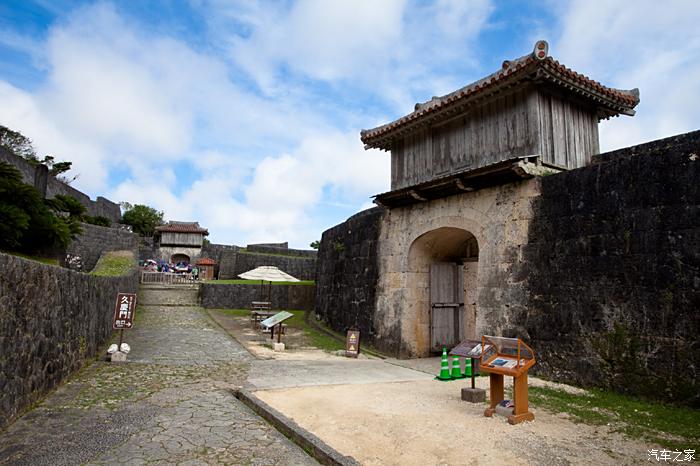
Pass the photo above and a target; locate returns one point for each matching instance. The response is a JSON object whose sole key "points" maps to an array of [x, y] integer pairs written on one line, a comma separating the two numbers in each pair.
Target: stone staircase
{"points": [[169, 295]]}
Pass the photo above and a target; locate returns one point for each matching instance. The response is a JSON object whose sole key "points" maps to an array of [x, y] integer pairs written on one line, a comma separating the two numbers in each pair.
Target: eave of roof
{"points": [[505, 171], [537, 66], [182, 227]]}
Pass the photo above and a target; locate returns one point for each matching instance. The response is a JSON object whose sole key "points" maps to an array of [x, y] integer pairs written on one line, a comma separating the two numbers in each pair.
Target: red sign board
{"points": [[352, 345], [124, 311]]}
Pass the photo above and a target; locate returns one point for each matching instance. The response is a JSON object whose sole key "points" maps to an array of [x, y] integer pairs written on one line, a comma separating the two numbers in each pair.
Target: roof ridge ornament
{"points": [[541, 50]]}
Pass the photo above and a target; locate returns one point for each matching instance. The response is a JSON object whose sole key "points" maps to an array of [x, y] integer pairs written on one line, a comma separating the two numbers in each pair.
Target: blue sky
{"points": [[245, 116]]}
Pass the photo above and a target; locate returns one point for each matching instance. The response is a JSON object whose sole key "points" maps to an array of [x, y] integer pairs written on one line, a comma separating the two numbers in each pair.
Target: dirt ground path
{"points": [[426, 423]]}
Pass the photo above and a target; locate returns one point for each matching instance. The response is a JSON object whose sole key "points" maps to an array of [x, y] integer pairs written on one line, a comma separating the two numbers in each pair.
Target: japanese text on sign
{"points": [[352, 346], [124, 311]]}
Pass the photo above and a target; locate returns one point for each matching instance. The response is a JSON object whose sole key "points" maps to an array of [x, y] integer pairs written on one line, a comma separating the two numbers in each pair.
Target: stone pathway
{"points": [[170, 404]]}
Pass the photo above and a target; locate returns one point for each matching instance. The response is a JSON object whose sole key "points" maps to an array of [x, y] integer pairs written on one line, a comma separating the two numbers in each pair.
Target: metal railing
{"points": [[165, 278]]}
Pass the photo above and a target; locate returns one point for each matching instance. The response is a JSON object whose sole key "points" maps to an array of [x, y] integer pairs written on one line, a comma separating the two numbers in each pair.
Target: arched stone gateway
{"points": [[175, 258], [479, 235], [442, 275]]}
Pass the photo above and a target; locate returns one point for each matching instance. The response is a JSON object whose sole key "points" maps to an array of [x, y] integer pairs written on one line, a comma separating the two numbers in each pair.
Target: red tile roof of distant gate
{"points": [[536, 65], [182, 227], [206, 261]]}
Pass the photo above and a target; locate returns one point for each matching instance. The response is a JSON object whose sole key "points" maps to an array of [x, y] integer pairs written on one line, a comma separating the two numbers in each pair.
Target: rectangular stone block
{"points": [[474, 395]]}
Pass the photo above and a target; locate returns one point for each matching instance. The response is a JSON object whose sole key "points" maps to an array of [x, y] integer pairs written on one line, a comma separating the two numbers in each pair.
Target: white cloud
{"points": [[394, 49], [650, 45], [263, 164]]}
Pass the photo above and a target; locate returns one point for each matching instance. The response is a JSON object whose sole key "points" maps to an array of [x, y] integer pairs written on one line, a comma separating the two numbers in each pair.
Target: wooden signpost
{"points": [[124, 312], [352, 344]]}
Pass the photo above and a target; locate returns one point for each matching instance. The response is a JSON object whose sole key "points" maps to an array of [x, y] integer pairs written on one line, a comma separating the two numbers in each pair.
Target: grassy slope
{"points": [[43, 260], [674, 427], [114, 264]]}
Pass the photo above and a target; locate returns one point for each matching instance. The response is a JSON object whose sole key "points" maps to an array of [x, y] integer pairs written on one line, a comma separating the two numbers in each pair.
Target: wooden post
{"points": [[473, 372], [495, 393], [520, 412]]}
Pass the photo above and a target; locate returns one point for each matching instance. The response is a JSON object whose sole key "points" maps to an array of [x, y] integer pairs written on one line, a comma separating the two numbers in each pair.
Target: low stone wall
{"points": [[215, 296], [613, 266], [96, 240], [234, 263], [51, 320], [264, 248], [347, 274]]}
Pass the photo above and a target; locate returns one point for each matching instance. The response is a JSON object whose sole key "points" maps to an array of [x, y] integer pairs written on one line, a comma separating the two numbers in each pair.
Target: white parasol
{"points": [[267, 273]]}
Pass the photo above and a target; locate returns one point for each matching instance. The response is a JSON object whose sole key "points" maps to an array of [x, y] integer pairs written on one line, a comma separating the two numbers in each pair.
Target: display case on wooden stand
{"points": [[507, 356]]}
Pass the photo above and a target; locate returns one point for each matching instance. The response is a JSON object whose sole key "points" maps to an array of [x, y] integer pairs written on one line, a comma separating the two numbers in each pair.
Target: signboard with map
{"points": [[276, 319]]}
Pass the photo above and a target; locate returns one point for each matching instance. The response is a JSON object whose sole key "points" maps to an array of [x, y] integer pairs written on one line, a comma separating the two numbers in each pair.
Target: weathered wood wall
{"points": [[529, 121], [568, 131], [181, 239]]}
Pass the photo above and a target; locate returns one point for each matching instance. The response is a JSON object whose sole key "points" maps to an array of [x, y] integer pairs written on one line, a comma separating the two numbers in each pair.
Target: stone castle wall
{"points": [[96, 240], [233, 263], [49, 187], [280, 249], [597, 268], [614, 272], [220, 296], [347, 274], [51, 320]]}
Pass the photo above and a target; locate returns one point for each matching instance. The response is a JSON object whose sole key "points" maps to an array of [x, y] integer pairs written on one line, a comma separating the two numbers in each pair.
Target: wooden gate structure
{"points": [[446, 305]]}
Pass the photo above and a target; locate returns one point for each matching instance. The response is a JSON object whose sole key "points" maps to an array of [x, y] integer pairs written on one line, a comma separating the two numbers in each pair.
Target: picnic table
{"points": [[260, 310]]}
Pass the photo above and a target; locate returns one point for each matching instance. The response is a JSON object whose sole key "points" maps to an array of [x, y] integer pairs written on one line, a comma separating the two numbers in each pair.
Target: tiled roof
{"points": [[182, 227], [534, 66], [206, 261]]}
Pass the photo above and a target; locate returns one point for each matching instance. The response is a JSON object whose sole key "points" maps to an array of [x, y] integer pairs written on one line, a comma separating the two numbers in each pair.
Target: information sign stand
{"points": [[471, 349], [507, 356]]}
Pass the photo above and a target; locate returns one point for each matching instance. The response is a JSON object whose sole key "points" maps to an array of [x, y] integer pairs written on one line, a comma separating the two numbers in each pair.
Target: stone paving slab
{"points": [[171, 403], [273, 374]]}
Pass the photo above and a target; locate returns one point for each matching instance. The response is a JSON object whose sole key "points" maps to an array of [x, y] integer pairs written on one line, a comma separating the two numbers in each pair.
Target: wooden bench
{"points": [[260, 305], [259, 311]]}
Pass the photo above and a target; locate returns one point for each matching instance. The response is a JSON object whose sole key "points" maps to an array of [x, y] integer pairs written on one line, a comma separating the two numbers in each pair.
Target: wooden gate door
{"points": [[446, 305]]}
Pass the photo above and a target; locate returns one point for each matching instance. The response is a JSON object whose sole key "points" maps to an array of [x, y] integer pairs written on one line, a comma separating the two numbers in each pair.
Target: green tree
{"points": [[22, 146], [98, 220], [315, 244], [143, 219], [27, 222], [70, 211], [18, 144]]}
